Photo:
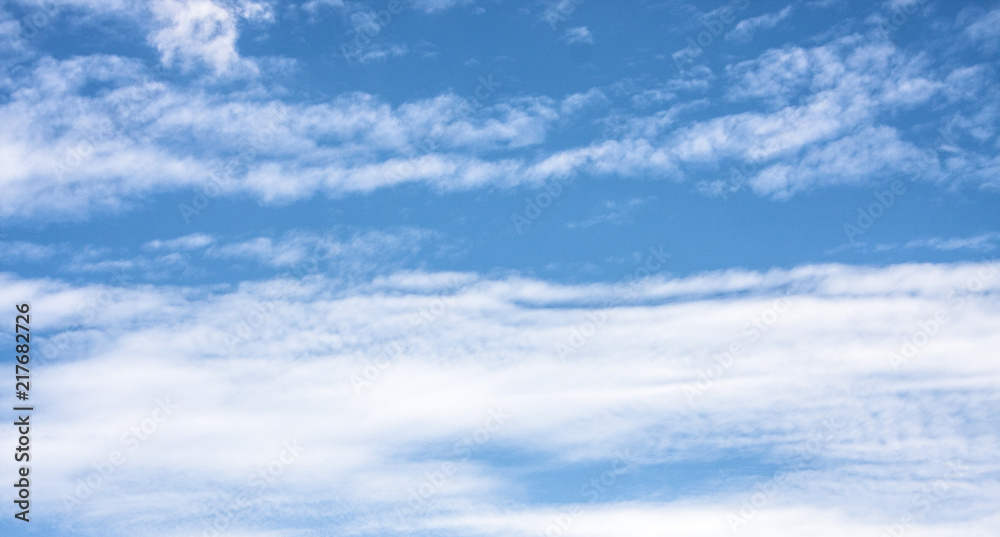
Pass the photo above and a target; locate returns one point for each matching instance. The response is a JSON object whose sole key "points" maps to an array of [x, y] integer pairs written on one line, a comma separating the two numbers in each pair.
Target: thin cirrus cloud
{"points": [[613, 213], [744, 30], [985, 242], [349, 253]]}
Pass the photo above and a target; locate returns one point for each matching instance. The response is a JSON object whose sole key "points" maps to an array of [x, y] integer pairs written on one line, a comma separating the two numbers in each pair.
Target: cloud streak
{"points": [[491, 345]]}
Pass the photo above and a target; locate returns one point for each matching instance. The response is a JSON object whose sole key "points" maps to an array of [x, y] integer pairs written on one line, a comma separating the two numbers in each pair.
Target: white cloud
{"points": [[982, 243], [613, 213], [431, 6], [983, 29], [579, 35], [14, 46], [14, 251], [580, 101], [379, 52], [257, 364], [854, 159], [203, 31], [743, 32], [557, 11], [186, 33], [315, 7], [194, 241], [74, 154], [368, 249], [350, 254], [822, 105], [77, 152]]}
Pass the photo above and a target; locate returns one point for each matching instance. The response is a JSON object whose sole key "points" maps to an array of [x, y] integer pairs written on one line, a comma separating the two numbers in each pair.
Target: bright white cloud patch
{"points": [[202, 31]]}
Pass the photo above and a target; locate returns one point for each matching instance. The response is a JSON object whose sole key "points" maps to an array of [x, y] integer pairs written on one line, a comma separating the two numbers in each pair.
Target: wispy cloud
{"points": [[745, 29], [614, 213], [380, 52], [193, 241], [29, 251], [578, 36], [982, 243]]}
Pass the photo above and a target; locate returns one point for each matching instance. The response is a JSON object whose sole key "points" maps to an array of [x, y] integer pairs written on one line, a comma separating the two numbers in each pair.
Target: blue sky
{"points": [[441, 264]]}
